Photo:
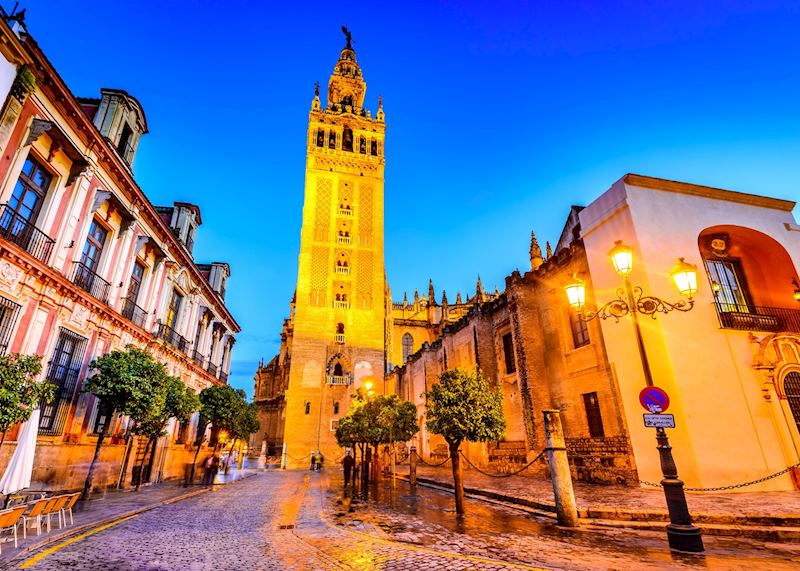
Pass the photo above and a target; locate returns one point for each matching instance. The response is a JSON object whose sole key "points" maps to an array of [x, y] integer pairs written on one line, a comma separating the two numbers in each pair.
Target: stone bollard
{"points": [[283, 457], [412, 466], [559, 469]]}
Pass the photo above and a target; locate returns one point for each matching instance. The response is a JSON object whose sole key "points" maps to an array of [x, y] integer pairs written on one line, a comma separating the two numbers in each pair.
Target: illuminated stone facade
{"points": [[89, 265]]}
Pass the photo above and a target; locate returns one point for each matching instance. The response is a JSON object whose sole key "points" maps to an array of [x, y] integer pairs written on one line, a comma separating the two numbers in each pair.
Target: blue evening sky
{"points": [[500, 115]]}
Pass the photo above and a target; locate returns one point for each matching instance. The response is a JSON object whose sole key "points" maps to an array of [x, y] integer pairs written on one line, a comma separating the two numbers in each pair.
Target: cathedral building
{"points": [[728, 355]]}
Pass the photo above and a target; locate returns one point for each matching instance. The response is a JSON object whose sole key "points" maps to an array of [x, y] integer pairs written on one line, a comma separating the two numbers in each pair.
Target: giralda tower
{"points": [[338, 338]]}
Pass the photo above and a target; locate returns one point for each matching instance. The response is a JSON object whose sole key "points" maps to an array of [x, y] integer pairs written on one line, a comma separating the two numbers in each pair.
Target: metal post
{"points": [[681, 533], [412, 466], [283, 457], [566, 509]]}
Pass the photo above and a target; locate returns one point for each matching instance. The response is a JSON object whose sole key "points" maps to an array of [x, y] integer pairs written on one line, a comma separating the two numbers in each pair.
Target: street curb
{"points": [[761, 527], [67, 533]]}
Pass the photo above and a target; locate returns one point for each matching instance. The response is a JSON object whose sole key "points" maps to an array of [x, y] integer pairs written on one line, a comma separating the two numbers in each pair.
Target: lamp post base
{"points": [[685, 538]]}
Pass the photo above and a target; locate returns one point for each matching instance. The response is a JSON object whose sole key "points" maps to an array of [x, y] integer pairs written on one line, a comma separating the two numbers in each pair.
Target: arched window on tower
{"points": [[332, 140], [336, 407], [374, 148], [347, 139], [320, 137], [362, 145], [338, 370], [408, 346], [340, 328]]}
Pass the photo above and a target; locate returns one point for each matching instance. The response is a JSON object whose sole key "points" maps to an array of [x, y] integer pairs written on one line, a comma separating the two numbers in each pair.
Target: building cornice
{"points": [[708, 192]]}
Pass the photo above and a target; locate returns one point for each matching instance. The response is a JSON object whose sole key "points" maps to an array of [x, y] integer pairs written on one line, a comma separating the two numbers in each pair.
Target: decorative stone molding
{"points": [[10, 275], [38, 128], [79, 315]]}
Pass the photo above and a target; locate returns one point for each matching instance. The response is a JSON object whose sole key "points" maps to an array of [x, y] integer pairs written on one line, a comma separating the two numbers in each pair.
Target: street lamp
{"points": [[681, 533]]}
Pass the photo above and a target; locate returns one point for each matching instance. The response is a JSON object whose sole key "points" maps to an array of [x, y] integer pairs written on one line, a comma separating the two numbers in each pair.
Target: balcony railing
{"points": [[343, 270], [340, 338], [86, 279], [341, 305], [758, 318], [211, 368], [172, 337], [21, 232], [223, 376], [346, 240], [343, 380], [133, 312], [345, 212], [198, 357]]}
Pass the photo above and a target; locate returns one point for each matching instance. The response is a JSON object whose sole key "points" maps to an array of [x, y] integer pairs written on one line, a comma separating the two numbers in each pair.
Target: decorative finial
{"points": [[496, 291], [348, 36], [316, 89], [380, 101], [431, 294], [535, 252], [444, 297], [549, 251], [458, 298]]}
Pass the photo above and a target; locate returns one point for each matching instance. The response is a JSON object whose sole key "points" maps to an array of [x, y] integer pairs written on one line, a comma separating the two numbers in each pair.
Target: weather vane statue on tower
{"points": [[349, 37]]}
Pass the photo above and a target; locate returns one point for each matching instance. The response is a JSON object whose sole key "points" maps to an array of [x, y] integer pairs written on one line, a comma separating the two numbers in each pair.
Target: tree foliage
{"points": [[463, 406], [20, 393], [378, 420], [174, 400], [226, 408]]}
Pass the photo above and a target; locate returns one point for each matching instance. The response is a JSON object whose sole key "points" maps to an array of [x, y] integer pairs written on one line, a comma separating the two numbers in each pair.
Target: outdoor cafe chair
{"points": [[9, 519], [55, 509], [35, 513], [71, 500]]}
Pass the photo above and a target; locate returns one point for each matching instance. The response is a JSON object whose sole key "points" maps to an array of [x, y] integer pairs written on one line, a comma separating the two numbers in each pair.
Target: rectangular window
{"points": [[8, 318], [183, 430], [729, 286], [174, 309], [100, 419], [29, 192], [580, 330], [136, 281], [593, 418], [63, 371], [93, 248], [508, 353]]}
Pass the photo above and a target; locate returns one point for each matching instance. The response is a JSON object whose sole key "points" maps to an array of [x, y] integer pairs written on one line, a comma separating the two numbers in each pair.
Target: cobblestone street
{"points": [[298, 520]]}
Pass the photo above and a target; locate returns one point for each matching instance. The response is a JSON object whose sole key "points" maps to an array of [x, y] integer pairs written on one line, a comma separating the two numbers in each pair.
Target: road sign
{"points": [[659, 420], [654, 399]]}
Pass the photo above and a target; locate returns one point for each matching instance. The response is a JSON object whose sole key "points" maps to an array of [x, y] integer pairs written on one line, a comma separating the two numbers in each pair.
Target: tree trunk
{"points": [[3, 438], [199, 441], [87, 486], [141, 464], [458, 480], [376, 463], [230, 454]]}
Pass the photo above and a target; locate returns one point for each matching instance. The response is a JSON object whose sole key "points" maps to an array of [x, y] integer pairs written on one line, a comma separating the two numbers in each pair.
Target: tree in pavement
{"points": [[245, 423], [20, 392], [219, 407], [126, 381], [464, 406], [175, 400]]}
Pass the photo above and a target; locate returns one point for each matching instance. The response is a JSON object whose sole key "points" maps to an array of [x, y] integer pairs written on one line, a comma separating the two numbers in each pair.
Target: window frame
{"points": [[594, 416], [26, 181], [509, 353], [579, 330]]}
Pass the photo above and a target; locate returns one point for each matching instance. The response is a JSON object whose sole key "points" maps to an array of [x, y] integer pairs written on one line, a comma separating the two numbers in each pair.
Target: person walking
{"points": [[207, 471], [318, 461], [349, 463], [313, 461]]}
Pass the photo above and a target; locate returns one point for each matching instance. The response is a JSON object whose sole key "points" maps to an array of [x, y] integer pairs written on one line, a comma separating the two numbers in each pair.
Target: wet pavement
{"points": [[301, 520]]}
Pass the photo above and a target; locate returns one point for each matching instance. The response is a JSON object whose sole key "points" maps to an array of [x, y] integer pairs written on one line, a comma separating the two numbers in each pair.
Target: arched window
{"points": [[336, 407], [362, 146], [791, 388], [374, 148], [332, 140], [347, 139], [320, 138], [338, 371], [408, 346], [340, 328], [308, 407]]}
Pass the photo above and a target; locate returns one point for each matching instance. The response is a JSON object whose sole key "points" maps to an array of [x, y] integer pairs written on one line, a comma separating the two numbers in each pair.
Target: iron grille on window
{"points": [[580, 331], [593, 418], [100, 418], [8, 318], [63, 372]]}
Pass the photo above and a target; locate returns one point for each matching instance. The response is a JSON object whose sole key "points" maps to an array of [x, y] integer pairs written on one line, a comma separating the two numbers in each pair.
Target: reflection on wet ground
{"points": [[426, 517]]}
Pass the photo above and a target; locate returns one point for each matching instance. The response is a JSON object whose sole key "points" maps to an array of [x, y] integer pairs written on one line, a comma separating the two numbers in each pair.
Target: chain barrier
{"points": [[298, 459], [528, 465], [732, 486], [421, 459]]}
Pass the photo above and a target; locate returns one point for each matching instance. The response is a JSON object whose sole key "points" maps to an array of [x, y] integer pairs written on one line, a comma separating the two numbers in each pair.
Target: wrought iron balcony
{"points": [[172, 337], [757, 318], [343, 380], [21, 232], [345, 212], [223, 376], [211, 368], [340, 338], [343, 270], [85, 278], [133, 312], [198, 357], [341, 305]]}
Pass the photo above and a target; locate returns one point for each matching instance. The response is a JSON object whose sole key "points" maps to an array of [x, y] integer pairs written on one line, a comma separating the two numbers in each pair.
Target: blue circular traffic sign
{"points": [[654, 399]]}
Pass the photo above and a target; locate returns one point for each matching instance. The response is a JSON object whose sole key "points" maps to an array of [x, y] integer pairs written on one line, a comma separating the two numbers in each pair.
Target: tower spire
{"points": [[549, 251], [479, 293], [535, 252], [431, 293]]}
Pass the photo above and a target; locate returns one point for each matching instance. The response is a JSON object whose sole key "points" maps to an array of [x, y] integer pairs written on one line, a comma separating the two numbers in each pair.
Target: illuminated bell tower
{"points": [[338, 339]]}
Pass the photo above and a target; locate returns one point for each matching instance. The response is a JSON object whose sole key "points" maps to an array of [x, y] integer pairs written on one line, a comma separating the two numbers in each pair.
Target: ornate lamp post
{"points": [[681, 533]]}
